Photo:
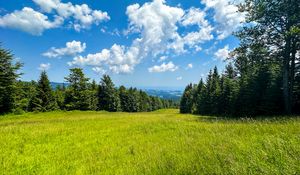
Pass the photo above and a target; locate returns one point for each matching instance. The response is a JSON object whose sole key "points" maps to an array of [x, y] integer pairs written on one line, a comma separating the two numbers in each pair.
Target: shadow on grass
{"points": [[246, 119]]}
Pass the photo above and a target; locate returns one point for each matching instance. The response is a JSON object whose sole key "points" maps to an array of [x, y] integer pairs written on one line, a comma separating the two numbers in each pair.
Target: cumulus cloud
{"points": [[226, 15], [44, 66], [72, 48], [157, 25], [118, 59], [35, 22], [163, 67], [30, 21], [82, 14], [222, 53]]}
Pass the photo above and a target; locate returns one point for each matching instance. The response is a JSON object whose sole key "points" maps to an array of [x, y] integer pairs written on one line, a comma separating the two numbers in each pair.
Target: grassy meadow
{"points": [[160, 142]]}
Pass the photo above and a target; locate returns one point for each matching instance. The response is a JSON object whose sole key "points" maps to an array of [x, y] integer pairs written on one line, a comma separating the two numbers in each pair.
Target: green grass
{"points": [[161, 142]]}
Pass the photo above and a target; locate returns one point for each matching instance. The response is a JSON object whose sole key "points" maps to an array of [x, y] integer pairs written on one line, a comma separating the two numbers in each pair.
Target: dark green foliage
{"points": [[44, 99], [108, 97], [186, 102], [144, 101], [264, 79], [255, 93], [130, 100], [277, 30], [82, 95], [93, 95], [133, 100], [24, 92], [77, 93], [8, 80], [59, 95]]}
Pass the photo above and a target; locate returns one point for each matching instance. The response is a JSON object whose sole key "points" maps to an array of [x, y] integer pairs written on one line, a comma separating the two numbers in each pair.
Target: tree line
{"points": [[79, 94], [263, 74]]}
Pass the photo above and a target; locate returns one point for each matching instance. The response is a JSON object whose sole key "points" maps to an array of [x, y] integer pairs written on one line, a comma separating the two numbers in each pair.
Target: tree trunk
{"points": [[286, 75]]}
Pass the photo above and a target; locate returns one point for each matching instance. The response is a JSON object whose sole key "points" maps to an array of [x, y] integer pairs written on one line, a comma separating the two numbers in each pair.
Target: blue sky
{"points": [[139, 43]]}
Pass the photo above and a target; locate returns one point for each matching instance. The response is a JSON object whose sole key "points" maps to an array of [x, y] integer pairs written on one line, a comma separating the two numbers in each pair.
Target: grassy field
{"points": [[161, 142]]}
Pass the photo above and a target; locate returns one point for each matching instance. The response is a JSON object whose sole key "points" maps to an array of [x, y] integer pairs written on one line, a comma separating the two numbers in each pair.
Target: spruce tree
{"points": [[77, 94], [186, 102], [59, 94], [93, 95], [108, 97], [276, 26], [8, 78], [123, 94], [200, 97], [44, 99]]}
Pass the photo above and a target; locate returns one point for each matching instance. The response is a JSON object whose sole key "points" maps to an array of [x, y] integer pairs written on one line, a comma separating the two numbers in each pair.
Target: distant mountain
{"points": [[165, 94], [171, 93]]}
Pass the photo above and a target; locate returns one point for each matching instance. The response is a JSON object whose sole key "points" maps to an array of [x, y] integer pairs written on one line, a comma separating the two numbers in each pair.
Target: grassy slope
{"points": [[161, 142]]}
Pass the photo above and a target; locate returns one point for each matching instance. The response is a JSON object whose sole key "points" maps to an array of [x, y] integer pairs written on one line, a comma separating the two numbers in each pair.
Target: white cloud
{"points": [[179, 78], [30, 21], [44, 66], [72, 48], [35, 22], [117, 59], [99, 70], [189, 66], [223, 53], [82, 14], [163, 67], [157, 24], [195, 16], [226, 15]]}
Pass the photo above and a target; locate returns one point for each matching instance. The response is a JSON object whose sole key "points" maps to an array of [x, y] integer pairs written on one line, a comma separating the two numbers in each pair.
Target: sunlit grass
{"points": [[160, 142]]}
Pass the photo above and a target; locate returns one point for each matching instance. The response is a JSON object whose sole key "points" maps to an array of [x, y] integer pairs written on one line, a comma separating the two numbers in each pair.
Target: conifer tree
{"points": [[8, 78], [186, 102], [77, 95], [143, 101], [59, 94], [108, 97], [200, 97], [93, 95], [44, 99], [123, 95]]}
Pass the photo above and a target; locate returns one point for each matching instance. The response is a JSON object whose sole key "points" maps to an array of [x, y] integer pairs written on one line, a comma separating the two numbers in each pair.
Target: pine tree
{"points": [[215, 92], [123, 95], [133, 100], [143, 101], [44, 99], [93, 96], [8, 78], [276, 26], [108, 97], [59, 95], [186, 102], [207, 100], [200, 97], [77, 94]]}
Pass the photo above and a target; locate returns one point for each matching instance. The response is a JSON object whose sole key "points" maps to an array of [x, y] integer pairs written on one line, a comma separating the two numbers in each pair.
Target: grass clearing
{"points": [[160, 142]]}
